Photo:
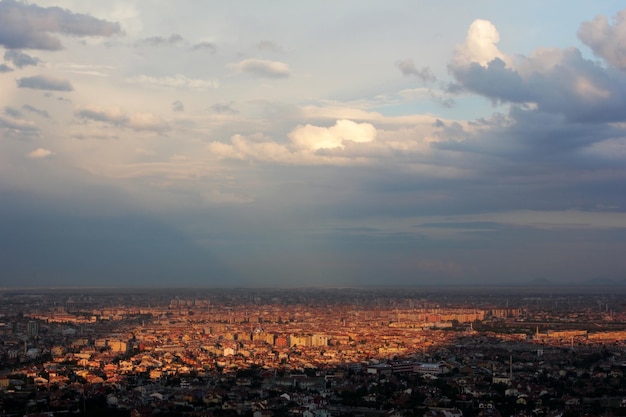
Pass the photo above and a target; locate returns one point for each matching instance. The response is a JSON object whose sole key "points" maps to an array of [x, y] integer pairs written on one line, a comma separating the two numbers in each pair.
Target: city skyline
{"points": [[311, 144]]}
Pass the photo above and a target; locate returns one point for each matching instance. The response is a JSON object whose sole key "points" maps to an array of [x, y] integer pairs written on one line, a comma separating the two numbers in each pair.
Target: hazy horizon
{"points": [[314, 144]]}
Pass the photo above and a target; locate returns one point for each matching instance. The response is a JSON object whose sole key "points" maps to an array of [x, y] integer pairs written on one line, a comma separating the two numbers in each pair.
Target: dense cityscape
{"points": [[313, 352]]}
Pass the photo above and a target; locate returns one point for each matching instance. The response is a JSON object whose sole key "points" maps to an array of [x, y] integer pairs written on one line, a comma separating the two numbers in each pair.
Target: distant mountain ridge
{"points": [[604, 281], [541, 281], [598, 281]]}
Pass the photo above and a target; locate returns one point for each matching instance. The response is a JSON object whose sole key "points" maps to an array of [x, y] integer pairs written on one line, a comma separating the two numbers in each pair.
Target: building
{"points": [[32, 328]]}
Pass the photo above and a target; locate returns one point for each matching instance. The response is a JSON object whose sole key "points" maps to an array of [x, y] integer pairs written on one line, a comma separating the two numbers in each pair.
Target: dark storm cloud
{"points": [[42, 113], [29, 26], [492, 184], [408, 68], [540, 155], [532, 161], [605, 40], [19, 58], [495, 81], [43, 242], [546, 133], [526, 134], [44, 82], [156, 41]]}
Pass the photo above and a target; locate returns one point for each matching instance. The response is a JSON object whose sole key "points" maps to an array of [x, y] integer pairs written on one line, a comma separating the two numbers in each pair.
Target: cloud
{"points": [[178, 106], [223, 108], [116, 117], [551, 80], [42, 113], [29, 26], [407, 67], [268, 46], [309, 145], [5, 68], [205, 46], [19, 58], [40, 153], [316, 137], [605, 40], [44, 82], [15, 113], [112, 115], [157, 41], [480, 45], [136, 243], [425, 75], [86, 69], [262, 68], [176, 81], [147, 122], [17, 127]]}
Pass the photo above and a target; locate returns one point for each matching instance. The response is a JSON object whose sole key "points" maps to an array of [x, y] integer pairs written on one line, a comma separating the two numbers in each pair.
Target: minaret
{"points": [[511, 368]]}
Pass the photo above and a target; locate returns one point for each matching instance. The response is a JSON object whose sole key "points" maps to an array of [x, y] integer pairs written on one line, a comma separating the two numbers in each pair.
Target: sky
{"points": [[313, 143]]}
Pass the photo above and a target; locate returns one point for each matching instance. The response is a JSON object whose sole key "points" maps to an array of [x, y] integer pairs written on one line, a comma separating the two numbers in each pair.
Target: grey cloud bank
{"points": [[29, 26], [19, 58], [44, 82]]}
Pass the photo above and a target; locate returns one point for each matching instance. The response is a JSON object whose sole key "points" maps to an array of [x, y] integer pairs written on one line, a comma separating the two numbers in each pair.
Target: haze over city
{"points": [[311, 143]]}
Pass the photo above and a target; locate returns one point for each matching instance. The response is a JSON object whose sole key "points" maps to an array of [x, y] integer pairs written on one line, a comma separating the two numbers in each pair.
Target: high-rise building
{"points": [[32, 329]]}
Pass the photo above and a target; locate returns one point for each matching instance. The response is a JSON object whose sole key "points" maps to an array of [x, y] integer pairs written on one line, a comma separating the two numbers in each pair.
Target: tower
{"points": [[32, 328]]}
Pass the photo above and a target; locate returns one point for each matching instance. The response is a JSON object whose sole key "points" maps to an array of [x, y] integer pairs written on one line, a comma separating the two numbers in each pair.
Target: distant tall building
{"points": [[32, 329]]}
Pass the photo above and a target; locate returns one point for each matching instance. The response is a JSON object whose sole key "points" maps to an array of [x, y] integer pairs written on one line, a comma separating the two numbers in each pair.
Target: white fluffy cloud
{"points": [[403, 142], [316, 137], [607, 41], [481, 45], [305, 142]]}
